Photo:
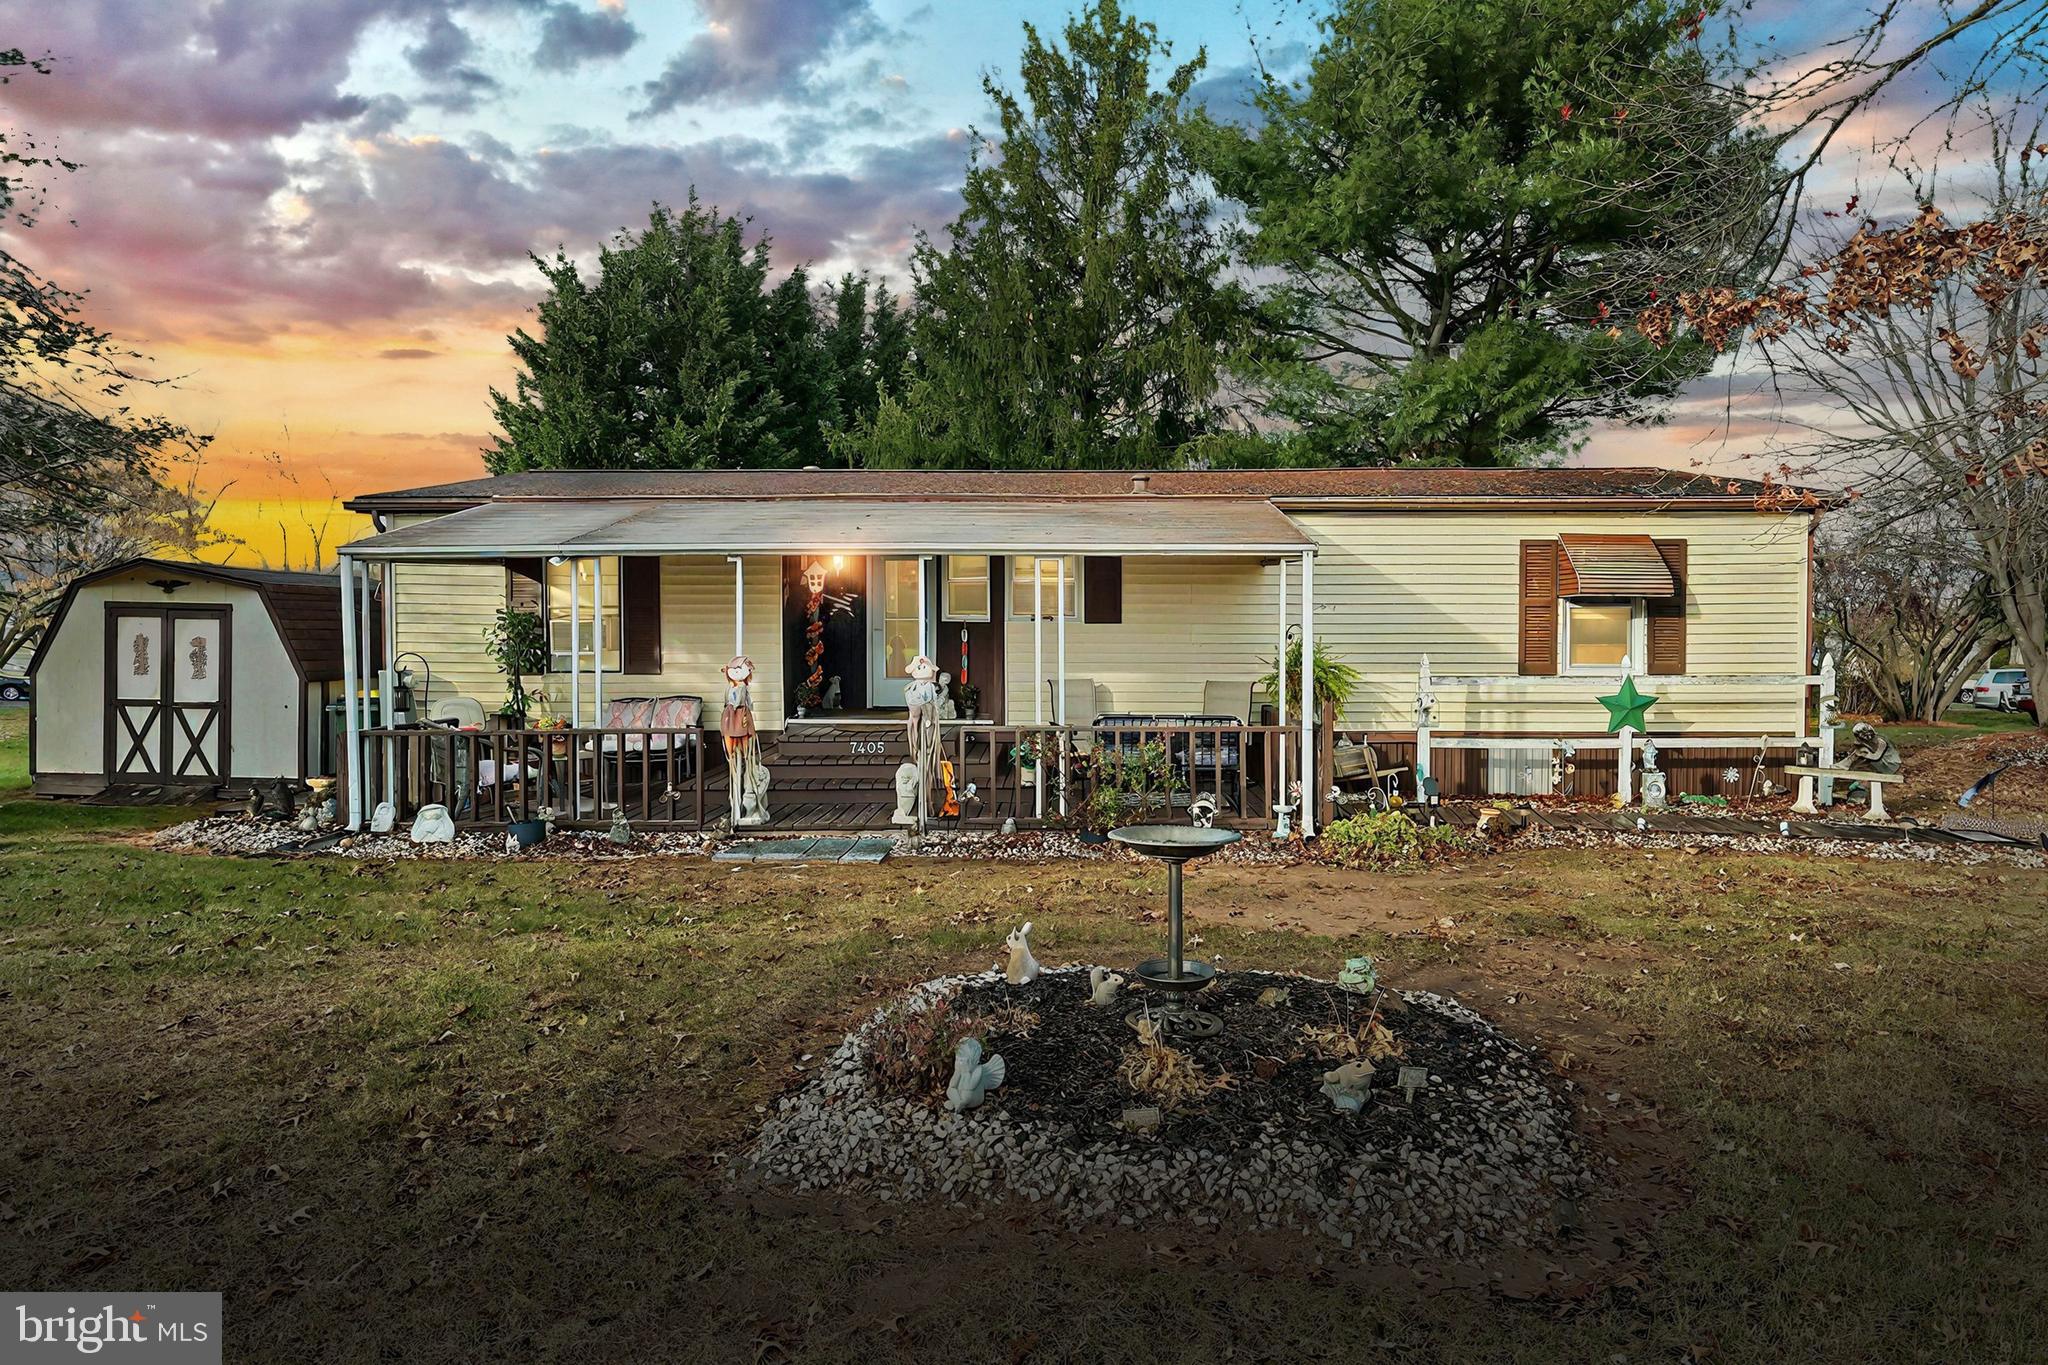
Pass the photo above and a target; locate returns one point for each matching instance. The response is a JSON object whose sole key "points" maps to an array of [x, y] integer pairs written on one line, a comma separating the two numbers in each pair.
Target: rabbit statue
{"points": [[1023, 968]]}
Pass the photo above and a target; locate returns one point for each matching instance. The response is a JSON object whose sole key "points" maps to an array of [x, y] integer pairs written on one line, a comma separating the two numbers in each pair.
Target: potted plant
{"points": [[527, 833], [1334, 679], [970, 701], [517, 642]]}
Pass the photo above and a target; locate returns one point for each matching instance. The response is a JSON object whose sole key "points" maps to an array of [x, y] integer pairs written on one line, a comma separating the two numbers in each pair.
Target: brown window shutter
{"points": [[522, 585], [1102, 590], [1667, 614], [640, 606], [1538, 642]]}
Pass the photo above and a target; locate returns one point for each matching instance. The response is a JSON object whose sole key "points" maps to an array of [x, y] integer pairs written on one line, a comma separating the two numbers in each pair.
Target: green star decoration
{"points": [[1627, 707]]}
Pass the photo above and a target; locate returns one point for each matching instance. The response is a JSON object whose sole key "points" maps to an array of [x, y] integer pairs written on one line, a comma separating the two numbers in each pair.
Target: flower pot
{"points": [[1090, 836], [527, 833]]}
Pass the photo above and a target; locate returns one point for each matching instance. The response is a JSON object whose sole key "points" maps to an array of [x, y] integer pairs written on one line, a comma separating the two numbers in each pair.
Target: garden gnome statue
{"points": [[906, 795], [1656, 788], [1871, 751], [433, 826], [1349, 1086], [746, 775], [1103, 984], [1023, 968], [972, 1077]]}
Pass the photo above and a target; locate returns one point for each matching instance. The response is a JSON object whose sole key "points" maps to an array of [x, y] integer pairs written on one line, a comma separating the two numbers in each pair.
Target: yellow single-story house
{"points": [[1476, 605]]}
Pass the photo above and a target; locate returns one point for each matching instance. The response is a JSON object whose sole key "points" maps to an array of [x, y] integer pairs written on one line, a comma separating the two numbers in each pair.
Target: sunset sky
{"points": [[316, 213]]}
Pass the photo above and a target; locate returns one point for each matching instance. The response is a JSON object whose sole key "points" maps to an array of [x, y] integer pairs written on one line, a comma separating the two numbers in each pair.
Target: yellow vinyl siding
{"points": [[442, 610], [1186, 622], [1391, 587]]}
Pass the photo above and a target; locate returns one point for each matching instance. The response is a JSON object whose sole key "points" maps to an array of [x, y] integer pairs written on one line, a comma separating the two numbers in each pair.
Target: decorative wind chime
{"points": [[813, 689]]}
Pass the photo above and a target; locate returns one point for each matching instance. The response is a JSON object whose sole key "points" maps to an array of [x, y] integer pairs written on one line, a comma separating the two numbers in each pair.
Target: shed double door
{"points": [[167, 693]]}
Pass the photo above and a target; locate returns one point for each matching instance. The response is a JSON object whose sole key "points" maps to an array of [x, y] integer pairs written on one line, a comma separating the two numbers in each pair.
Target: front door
{"points": [[167, 693], [892, 627]]}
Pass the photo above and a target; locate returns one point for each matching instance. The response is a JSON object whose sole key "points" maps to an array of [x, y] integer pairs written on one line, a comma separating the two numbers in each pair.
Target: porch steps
{"points": [[862, 745]]}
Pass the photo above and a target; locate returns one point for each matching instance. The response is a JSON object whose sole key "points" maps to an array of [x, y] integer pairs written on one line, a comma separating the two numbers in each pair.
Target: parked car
{"points": [[2023, 699], [1994, 689], [13, 689]]}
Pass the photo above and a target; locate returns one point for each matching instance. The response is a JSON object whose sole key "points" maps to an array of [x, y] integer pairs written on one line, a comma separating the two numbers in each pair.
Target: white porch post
{"points": [[1059, 607], [1625, 773], [739, 605], [387, 691], [351, 682], [597, 649], [925, 644], [575, 642], [1311, 804], [1280, 672], [1038, 683]]}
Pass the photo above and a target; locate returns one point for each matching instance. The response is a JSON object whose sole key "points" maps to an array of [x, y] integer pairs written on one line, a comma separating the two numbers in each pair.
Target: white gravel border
{"points": [[1521, 1156]]}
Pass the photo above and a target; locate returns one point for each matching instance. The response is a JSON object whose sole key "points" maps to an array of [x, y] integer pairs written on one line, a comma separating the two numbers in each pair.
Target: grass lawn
{"points": [[1958, 722], [449, 1112], [13, 747]]}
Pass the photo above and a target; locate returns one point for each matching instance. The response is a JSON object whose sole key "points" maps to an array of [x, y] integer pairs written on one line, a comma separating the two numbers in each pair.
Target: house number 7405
{"points": [[868, 746]]}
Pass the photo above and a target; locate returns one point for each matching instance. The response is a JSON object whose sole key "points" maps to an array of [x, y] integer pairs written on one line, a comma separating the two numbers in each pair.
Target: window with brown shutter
{"points": [[640, 604], [1667, 614], [1537, 650], [1102, 590], [522, 584]]}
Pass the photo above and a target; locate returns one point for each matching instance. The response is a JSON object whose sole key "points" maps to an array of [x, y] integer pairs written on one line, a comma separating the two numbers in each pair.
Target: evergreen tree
{"points": [[676, 356], [1459, 198], [1078, 315], [867, 337]]}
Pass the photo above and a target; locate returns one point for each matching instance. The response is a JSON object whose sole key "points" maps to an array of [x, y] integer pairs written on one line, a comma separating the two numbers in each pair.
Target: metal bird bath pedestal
{"points": [[1174, 975]]}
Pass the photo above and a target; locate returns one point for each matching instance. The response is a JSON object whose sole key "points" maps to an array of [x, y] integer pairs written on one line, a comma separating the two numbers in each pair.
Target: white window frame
{"points": [[1638, 636], [947, 609], [1011, 585], [614, 658]]}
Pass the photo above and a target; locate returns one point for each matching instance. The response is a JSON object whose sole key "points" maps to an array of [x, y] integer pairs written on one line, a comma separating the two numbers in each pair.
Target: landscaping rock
{"points": [[1480, 1158]]}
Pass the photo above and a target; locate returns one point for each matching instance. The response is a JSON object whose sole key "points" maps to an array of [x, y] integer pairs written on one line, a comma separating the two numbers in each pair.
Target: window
{"points": [[574, 583], [967, 588], [1048, 573], [1598, 634]]}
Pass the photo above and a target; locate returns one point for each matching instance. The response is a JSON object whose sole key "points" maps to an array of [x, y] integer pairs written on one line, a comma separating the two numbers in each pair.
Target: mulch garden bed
{"points": [[1485, 1154]]}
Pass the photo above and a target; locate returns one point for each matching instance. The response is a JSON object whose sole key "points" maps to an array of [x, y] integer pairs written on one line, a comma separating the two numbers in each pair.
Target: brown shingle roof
{"points": [[1395, 486]]}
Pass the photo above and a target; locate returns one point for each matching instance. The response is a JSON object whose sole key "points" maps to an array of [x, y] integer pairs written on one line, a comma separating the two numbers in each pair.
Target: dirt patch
{"points": [[1937, 775]]}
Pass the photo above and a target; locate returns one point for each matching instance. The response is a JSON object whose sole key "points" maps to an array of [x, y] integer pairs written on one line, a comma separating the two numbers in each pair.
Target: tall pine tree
{"points": [[1079, 314], [676, 356]]}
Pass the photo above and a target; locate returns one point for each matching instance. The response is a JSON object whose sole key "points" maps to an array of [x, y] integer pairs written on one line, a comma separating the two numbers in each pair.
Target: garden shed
{"points": [[156, 674]]}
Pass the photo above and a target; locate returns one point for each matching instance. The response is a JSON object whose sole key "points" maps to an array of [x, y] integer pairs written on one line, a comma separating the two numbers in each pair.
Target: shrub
{"points": [[1166, 1074], [1388, 839], [910, 1051]]}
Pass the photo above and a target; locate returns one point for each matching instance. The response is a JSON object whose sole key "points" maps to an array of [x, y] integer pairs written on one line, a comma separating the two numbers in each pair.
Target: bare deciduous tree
{"points": [[1909, 613]]}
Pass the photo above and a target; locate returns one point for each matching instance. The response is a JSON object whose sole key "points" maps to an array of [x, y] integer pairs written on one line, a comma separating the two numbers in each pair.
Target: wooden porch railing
{"points": [[489, 778], [1022, 772]]}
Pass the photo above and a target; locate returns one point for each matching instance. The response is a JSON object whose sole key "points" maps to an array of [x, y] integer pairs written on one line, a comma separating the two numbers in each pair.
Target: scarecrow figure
{"points": [[746, 775], [922, 697]]}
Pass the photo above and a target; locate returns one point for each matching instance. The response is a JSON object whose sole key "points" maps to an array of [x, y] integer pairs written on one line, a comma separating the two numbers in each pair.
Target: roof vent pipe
{"points": [[1139, 482]]}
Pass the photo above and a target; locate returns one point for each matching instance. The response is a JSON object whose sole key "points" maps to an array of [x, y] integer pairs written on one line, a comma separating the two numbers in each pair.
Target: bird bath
{"points": [[1174, 975]]}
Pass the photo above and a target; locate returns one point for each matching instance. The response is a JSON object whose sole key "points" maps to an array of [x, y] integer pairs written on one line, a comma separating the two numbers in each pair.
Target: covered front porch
{"points": [[1099, 645]]}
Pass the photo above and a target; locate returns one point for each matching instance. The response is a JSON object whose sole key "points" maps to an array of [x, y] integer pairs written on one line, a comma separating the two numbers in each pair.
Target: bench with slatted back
{"points": [[1353, 764]]}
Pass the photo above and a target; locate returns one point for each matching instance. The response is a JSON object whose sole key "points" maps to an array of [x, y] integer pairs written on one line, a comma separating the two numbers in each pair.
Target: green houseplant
{"points": [[1335, 680], [517, 643]]}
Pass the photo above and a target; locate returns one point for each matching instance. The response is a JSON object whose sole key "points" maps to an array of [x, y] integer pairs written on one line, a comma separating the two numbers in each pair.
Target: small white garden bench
{"points": [[1874, 781]]}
